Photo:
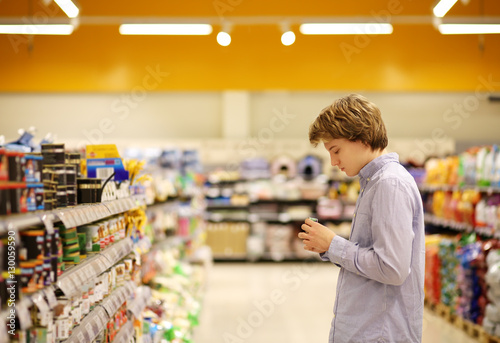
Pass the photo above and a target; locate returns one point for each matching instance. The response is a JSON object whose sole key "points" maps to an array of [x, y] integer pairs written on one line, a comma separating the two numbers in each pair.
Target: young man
{"points": [[380, 289]]}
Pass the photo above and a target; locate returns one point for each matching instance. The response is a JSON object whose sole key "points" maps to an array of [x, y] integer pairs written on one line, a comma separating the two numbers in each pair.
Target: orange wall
{"points": [[98, 58]]}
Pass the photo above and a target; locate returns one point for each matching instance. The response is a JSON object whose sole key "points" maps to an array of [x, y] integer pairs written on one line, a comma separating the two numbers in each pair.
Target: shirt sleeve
{"points": [[389, 259]]}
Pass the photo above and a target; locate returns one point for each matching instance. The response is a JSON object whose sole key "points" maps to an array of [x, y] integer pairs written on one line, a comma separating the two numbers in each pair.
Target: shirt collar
{"points": [[376, 164]]}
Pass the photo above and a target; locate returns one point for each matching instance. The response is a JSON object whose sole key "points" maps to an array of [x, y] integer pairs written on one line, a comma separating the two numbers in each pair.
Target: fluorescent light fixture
{"points": [[443, 7], [288, 38], [68, 7], [223, 38], [166, 29], [345, 28], [471, 29], [46, 29]]}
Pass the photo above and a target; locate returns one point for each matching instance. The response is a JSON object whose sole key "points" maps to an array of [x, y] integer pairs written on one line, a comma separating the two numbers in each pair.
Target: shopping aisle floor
{"points": [[282, 303]]}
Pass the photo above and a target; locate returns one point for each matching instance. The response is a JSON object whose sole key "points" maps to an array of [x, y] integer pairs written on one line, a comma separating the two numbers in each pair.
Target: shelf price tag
{"points": [[100, 265], [86, 273], [92, 212], [64, 218], [119, 297], [102, 316], [88, 215], [123, 205], [105, 210], [49, 225], [112, 207], [94, 209], [79, 276], [97, 325], [67, 285], [130, 287], [83, 336], [40, 302], [108, 207], [78, 217], [84, 216], [90, 330], [117, 206], [118, 300], [51, 297]]}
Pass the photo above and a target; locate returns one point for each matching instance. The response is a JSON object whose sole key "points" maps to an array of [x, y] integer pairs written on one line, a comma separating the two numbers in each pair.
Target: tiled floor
{"points": [[282, 303]]}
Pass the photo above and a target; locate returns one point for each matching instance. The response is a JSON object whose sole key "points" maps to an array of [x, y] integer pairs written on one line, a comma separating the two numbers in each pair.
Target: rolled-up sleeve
{"points": [[336, 251]]}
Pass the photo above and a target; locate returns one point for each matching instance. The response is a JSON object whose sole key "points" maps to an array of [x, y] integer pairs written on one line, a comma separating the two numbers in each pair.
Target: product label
{"points": [[102, 316], [62, 328], [85, 306], [90, 330], [103, 160]]}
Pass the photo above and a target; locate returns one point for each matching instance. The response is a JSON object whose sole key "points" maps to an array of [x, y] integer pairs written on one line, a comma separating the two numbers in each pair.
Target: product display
{"points": [[272, 209], [460, 195], [159, 161], [77, 273]]}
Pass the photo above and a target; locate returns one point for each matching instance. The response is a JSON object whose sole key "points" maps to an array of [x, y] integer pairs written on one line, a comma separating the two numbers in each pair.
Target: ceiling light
{"points": [[288, 38], [464, 29], [68, 7], [443, 7], [46, 29], [345, 28], [223, 38], [166, 29]]}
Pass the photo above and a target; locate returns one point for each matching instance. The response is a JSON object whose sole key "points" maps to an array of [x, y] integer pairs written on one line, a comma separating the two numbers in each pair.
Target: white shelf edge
{"points": [[24, 220]]}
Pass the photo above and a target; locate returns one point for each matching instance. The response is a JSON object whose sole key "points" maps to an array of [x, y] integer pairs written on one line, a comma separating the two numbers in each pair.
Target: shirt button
{"points": [[354, 215]]}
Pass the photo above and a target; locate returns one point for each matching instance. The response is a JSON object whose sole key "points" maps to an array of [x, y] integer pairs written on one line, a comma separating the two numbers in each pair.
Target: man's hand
{"points": [[316, 238]]}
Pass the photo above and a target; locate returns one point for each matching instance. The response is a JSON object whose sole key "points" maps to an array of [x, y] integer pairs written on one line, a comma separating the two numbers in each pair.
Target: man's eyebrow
{"points": [[330, 148]]}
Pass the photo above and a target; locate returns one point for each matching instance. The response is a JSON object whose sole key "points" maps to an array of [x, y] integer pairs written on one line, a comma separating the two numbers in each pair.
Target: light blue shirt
{"points": [[380, 289]]}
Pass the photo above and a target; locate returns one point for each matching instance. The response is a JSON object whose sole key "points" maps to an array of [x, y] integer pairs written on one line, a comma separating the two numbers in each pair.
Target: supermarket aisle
{"points": [[282, 302]]}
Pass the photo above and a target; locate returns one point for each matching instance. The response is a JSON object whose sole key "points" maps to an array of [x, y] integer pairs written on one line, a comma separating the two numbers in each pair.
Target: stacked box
{"points": [[70, 245]]}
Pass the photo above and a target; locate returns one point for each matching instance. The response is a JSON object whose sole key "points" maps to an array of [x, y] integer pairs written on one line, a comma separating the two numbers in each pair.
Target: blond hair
{"points": [[352, 117]]}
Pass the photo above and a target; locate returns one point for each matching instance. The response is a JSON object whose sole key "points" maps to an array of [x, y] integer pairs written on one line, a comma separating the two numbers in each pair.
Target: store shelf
{"points": [[92, 325], [142, 296], [170, 202], [452, 188], [432, 219], [69, 216], [125, 334], [283, 218], [218, 217], [70, 281], [227, 207], [484, 231], [285, 201]]}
